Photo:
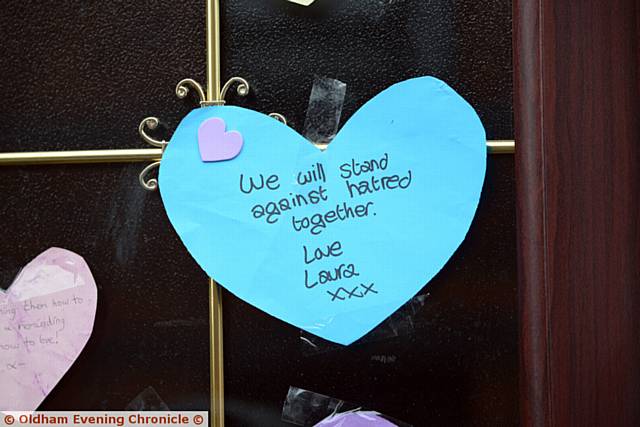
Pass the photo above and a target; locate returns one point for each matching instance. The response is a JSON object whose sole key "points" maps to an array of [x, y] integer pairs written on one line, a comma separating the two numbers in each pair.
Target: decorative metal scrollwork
{"points": [[182, 90], [183, 87], [186, 85], [279, 117], [151, 123], [242, 90], [152, 183]]}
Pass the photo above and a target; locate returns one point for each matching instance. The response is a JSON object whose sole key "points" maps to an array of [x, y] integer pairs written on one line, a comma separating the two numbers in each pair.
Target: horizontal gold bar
{"points": [[84, 156], [493, 147], [141, 155], [501, 147]]}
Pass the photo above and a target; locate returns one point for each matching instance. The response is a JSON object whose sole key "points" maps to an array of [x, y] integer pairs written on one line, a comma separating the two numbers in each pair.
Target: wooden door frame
{"points": [[577, 99]]}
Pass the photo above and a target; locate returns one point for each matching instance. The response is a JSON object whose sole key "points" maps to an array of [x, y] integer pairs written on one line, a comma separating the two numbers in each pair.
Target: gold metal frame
{"points": [[215, 293], [217, 354], [214, 96], [84, 156], [142, 155]]}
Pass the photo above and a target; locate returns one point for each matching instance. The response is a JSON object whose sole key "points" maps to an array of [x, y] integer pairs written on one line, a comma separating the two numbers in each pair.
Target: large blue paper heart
{"points": [[383, 210]]}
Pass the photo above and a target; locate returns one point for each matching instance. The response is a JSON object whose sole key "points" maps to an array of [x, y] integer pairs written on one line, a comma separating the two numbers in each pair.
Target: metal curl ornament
{"points": [[185, 85], [183, 88], [242, 90], [152, 183], [150, 123], [279, 117]]}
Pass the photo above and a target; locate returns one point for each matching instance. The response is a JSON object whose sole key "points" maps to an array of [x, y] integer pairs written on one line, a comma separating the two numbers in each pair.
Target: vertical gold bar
{"points": [[215, 300], [217, 355], [213, 50]]}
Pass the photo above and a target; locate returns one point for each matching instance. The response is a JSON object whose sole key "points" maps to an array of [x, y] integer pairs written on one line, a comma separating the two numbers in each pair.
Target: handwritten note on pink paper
{"points": [[46, 318]]}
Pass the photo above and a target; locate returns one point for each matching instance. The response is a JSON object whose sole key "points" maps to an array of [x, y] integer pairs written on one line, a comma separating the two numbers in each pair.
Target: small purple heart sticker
{"points": [[215, 144]]}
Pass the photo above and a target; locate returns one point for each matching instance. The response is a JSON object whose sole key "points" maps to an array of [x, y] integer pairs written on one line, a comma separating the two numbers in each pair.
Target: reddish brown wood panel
{"points": [[577, 104]]}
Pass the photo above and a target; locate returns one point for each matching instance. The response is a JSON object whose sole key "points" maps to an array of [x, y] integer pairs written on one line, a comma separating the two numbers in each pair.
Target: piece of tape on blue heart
{"points": [[332, 242]]}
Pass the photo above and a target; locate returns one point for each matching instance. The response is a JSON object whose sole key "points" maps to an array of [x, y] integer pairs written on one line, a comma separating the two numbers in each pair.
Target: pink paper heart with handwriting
{"points": [[46, 318], [215, 144]]}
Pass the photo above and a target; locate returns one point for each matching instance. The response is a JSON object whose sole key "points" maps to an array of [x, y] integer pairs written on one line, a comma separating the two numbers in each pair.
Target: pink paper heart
{"points": [[215, 144], [46, 318], [355, 419]]}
